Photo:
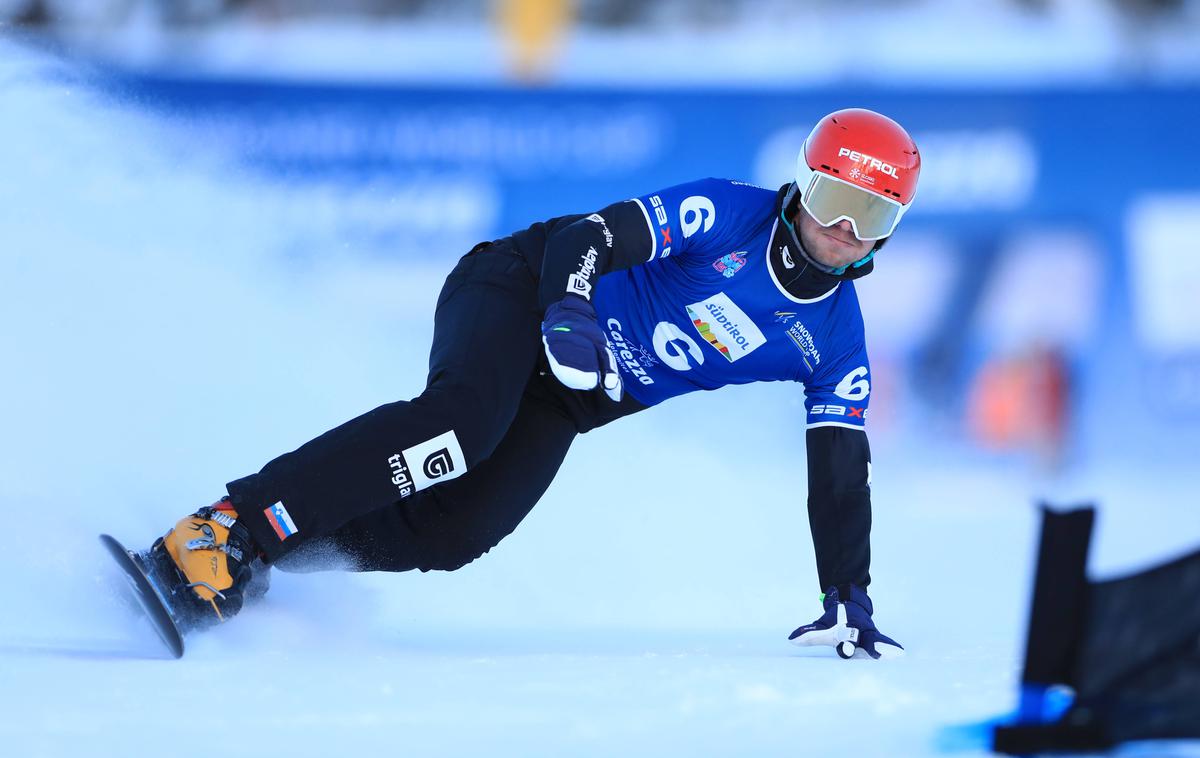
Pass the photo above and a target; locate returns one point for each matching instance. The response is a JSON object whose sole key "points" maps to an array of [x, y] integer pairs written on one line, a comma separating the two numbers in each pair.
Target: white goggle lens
{"points": [[830, 200]]}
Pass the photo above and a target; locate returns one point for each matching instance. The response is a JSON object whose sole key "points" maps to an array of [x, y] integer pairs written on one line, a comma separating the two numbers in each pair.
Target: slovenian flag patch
{"points": [[280, 521]]}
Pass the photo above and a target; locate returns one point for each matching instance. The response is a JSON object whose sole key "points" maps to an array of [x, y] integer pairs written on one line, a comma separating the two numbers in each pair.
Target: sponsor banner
{"points": [[596, 218], [634, 359], [400, 476], [434, 461], [831, 409], [580, 282], [664, 228], [725, 326], [803, 340], [872, 163]]}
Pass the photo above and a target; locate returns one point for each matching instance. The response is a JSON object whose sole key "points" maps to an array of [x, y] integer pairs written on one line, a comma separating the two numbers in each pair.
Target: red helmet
{"points": [[861, 166]]}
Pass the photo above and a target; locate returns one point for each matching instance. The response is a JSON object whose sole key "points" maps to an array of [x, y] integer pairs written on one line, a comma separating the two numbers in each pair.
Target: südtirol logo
{"points": [[725, 326]]}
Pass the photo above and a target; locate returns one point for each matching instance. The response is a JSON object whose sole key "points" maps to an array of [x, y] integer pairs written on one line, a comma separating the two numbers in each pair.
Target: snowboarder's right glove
{"points": [[578, 353], [846, 625]]}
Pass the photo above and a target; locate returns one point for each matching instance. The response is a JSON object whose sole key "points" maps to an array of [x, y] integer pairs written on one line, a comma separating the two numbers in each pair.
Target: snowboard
{"points": [[151, 596]]}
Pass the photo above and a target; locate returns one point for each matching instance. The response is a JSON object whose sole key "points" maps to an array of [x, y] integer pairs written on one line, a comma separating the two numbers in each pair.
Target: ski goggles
{"points": [[830, 200]]}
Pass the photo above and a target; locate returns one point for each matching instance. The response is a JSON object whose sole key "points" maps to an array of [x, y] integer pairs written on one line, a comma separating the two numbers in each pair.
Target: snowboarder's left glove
{"points": [[578, 353], [847, 625]]}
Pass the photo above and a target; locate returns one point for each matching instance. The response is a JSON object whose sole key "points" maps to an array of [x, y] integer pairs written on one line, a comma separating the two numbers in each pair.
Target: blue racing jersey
{"points": [[703, 285], [707, 308]]}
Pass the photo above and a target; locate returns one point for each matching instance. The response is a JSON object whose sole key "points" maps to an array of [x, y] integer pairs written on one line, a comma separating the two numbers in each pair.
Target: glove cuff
{"points": [[570, 303], [849, 593]]}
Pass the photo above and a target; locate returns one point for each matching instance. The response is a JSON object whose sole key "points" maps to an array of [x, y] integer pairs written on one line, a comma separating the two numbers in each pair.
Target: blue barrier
{"points": [[463, 164], [990, 156]]}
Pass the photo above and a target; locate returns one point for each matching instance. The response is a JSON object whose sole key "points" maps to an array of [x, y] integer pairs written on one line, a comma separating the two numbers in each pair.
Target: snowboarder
{"points": [[573, 323]]}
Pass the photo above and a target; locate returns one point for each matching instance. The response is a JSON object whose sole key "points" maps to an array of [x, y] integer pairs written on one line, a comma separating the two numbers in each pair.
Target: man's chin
{"points": [[830, 251], [834, 259]]}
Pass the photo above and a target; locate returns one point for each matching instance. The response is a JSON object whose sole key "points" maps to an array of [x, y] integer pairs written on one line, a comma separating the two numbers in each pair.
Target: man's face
{"points": [[834, 246]]}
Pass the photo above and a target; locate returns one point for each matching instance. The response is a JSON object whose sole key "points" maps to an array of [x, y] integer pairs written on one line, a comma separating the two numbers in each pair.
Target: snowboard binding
{"points": [[195, 576]]}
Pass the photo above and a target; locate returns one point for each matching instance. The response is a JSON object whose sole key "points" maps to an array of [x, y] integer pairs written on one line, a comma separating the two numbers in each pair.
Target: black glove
{"points": [[847, 625], [579, 355]]}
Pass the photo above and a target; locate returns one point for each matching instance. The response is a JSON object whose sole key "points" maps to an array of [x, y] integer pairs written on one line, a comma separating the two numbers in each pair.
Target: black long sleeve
{"points": [[839, 505], [580, 252]]}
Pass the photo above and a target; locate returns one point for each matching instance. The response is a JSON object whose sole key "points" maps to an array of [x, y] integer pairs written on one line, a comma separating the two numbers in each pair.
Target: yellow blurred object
{"points": [[533, 30]]}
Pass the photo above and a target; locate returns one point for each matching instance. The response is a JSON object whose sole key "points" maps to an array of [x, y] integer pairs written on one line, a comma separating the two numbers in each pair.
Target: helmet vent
{"points": [[830, 168]]}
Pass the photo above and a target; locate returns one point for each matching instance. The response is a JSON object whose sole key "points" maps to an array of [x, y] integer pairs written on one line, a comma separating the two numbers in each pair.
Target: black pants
{"points": [[387, 491]]}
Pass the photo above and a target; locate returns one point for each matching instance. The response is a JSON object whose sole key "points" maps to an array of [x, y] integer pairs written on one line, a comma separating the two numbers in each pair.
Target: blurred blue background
{"points": [[1036, 303]]}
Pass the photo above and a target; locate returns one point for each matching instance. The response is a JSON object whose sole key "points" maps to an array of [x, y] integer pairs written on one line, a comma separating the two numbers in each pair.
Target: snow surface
{"points": [[169, 323]]}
